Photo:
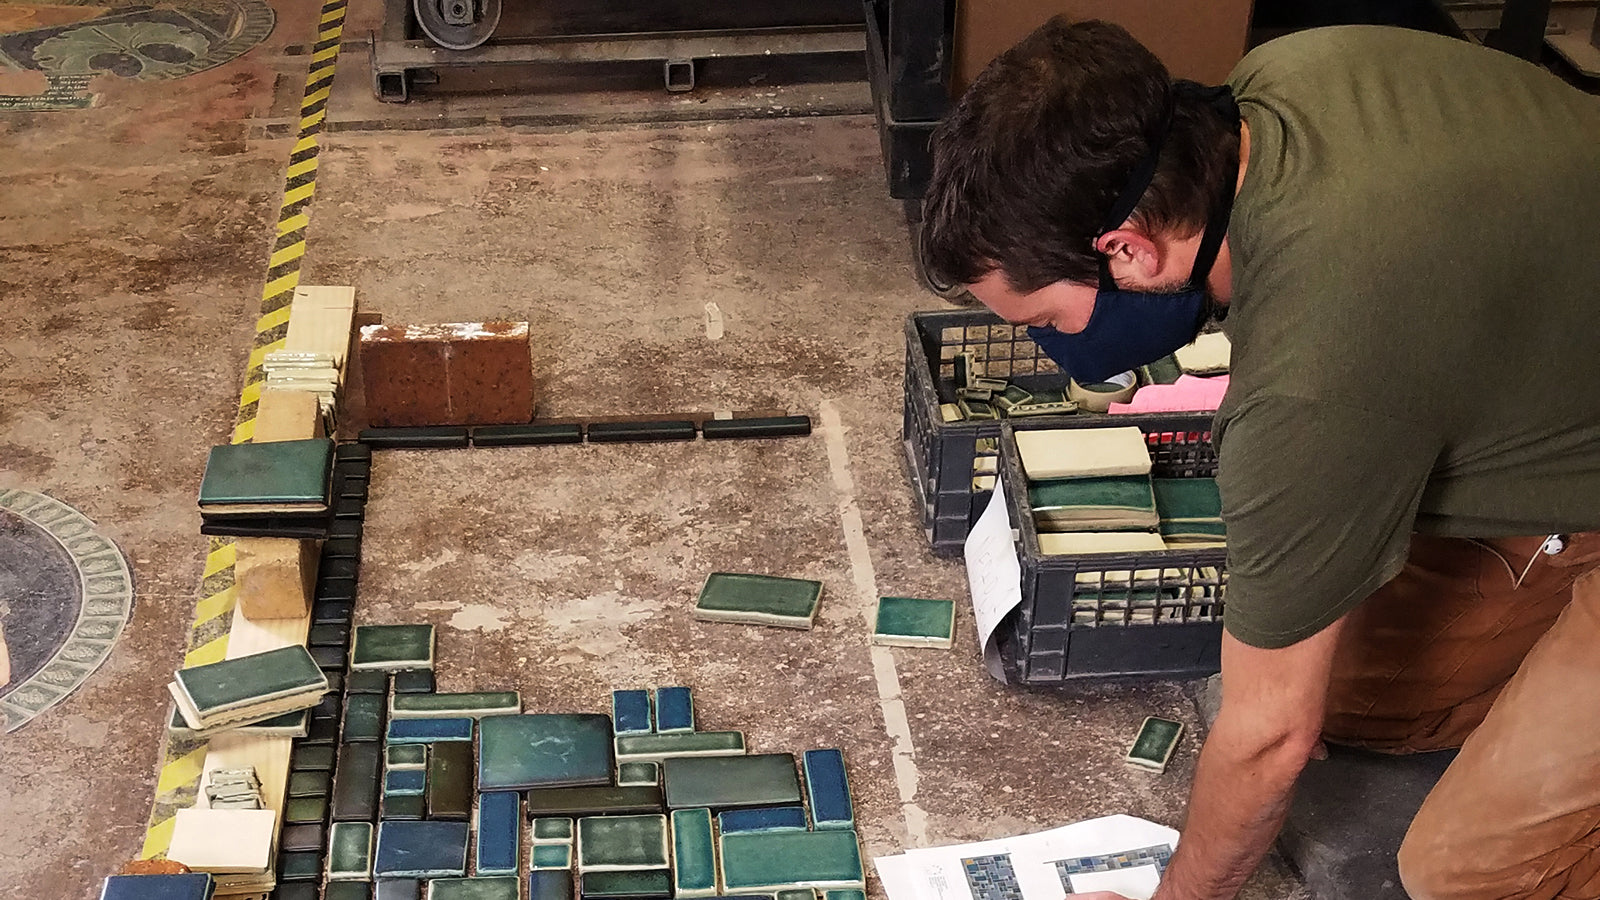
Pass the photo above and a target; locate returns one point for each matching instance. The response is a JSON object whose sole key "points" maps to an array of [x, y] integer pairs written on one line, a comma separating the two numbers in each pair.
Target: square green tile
{"points": [[406, 756], [634, 773], [844, 895], [551, 856], [618, 843], [694, 854], [759, 600], [309, 784], [350, 851], [764, 862], [796, 894], [493, 887], [915, 622], [547, 750], [303, 810], [552, 829], [727, 782], [392, 648]]}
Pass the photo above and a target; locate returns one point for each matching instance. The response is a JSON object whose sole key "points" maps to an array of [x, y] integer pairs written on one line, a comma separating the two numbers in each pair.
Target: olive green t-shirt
{"points": [[1415, 320]]}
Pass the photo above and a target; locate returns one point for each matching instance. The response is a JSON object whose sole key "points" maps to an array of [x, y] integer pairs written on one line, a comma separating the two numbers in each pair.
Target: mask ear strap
{"points": [[1220, 98], [1107, 283]]}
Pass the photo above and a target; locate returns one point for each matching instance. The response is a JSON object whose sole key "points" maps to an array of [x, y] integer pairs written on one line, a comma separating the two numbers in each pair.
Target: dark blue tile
{"points": [[828, 790], [674, 710], [766, 818], [405, 781], [630, 712], [423, 731], [398, 889], [192, 886], [550, 884], [421, 849], [499, 823]]}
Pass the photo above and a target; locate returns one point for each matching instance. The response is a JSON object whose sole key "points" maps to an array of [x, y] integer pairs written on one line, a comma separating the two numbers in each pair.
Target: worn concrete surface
{"points": [[132, 246]]}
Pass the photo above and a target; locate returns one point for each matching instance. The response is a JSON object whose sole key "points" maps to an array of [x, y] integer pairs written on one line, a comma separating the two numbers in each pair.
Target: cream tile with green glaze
{"points": [[759, 600], [555, 829], [495, 887], [658, 747], [350, 851], [694, 854], [474, 705], [392, 647], [762, 862], [914, 622]]}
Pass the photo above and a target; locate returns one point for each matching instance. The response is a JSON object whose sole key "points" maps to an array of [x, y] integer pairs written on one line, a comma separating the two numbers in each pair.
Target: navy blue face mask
{"points": [[1128, 329]]}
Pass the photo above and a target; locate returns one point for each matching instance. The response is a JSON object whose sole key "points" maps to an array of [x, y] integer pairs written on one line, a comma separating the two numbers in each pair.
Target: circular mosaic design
{"points": [[143, 43], [65, 594]]}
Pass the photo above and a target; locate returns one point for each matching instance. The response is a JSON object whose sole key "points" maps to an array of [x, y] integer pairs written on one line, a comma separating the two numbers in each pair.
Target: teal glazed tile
{"points": [[548, 750], [725, 782], [405, 781], [845, 895], [774, 860], [603, 800], [350, 851], [759, 600], [659, 747], [638, 773], [303, 866], [638, 885], [550, 884], [392, 648], [499, 833], [405, 807], [471, 705], [406, 756], [370, 682], [347, 890], [363, 717], [309, 784], [304, 810], [630, 712], [397, 889], [764, 818], [449, 792], [498, 887], [796, 894], [694, 853], [615, 843], [421, 849], [828, 790], [248, 680], [427, 731], [914, 622], [674, 710], [416, 681], [551, 856], [558, 828], [311, 758]]}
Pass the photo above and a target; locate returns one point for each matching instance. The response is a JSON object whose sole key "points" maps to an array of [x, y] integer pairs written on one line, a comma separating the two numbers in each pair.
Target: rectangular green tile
{"points": [[638, 773], [557, 828], [694, 854], [363, 717], [1188, 498], [494, 887], [796, 894], [350, 851], [392, 648], [241, 477], [642, 885], [414, 681], [726, 782], [658, 747], [309, 784], [774, 860], [603, 800], [303, 810], [311, 758], [473, 705], [403, 807], [369, 682], [914, 622], [759, 600], [616, 843], [406, 756], [215, 690], [844, 895], [549, 750], [450, 772], [551, 856]]}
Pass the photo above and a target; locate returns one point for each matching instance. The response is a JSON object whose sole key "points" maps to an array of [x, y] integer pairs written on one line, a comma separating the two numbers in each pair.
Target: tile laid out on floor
{"points": [[370, 681], [546, 750], [449, 791], [356, 783], [499, 832], [617, 843], [427, 731], [310, 758], [305, 810], [302, 836], [725, 782], [694, 853], [759, 600], [550, 884], [496, 887], [550, 856], [421, 849], [602, 800], [188, 886], [768, 818], [406, 781], [915, 622], [363, 718], [350, 851], [828, 790], [347, 890], [651, 884], [796, 894], [770, 861], [406, 756], [472, 705], [414, 681], [309, 784], [635, 774], [302, 866], [844, 895], [630, 712], [553, 829], [658, 747], [397, 889], [392, 648], [398, 807], [674, 710]]}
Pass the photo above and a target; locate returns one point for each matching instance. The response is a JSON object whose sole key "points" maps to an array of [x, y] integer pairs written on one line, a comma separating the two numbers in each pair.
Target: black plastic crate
{"points": [[908, 69], [1150, 616]]}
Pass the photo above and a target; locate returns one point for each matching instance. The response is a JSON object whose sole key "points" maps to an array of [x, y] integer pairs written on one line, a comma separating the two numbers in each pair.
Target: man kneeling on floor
{"points": [[1399, 232]]}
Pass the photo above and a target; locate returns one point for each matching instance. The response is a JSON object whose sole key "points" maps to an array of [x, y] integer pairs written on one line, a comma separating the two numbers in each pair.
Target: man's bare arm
{"points": [[1271, 719]]}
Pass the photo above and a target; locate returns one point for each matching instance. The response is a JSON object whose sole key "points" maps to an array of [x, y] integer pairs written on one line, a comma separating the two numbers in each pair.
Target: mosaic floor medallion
{"points": [[65, 594], [147, 42]]}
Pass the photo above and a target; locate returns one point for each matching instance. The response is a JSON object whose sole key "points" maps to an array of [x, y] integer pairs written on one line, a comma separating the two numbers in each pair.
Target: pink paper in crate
{"points": [[1187, 394]]}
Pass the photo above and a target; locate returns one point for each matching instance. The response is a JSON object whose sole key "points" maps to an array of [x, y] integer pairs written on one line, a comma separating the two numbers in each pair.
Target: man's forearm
{"points": [[1242, 788]]}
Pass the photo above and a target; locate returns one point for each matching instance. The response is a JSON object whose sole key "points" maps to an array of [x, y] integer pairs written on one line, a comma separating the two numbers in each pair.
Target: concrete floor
{"points": [[133, 240]]}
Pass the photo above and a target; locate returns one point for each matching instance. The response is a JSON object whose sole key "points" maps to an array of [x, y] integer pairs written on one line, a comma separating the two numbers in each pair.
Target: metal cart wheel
{"points": [[457, 24]]}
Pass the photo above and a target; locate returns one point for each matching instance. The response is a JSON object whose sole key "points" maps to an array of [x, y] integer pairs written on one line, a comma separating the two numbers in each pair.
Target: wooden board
{"points": [[320, 317], [287, 416]]}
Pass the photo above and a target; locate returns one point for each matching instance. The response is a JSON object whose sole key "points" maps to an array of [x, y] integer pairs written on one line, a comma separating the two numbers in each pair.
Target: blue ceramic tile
{"points": [[550, 884], [405, 781], [767, 818], [423, 731], [630, 712], [499, 836], [192, 886], [421, 849], [674, 710], [828, 790]]}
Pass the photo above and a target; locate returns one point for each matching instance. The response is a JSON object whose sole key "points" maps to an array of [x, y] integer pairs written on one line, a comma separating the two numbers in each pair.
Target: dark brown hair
{"points": [[1028, 164]]}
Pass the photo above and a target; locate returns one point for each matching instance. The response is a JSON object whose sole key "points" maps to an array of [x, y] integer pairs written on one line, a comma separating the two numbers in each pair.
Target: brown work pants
{"points": [[1453, 653]]}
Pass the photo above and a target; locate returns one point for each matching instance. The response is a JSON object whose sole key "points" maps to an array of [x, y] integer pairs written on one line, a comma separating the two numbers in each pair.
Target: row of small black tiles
{"points": [[447, 437]]}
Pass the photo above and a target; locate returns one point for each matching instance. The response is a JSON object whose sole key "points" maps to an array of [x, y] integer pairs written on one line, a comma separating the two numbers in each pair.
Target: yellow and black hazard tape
{"points": [[183, 761]]}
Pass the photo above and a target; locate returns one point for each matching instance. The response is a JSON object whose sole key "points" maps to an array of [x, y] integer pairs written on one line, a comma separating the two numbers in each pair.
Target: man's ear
{"points": [[1131, 253]]}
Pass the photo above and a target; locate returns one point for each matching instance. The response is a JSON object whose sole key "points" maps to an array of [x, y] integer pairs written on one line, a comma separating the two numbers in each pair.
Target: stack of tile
{"points": [[234, 846], [234, 692], [979, 397], [274, 489], [233, 789], [318, 373], [1089, 479], [1191, 511]]}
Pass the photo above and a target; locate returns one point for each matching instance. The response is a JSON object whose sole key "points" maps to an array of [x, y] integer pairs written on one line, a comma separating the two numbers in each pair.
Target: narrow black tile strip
{"points": [[330, 657], [329, 636], [782, 426], [345, 528], [296, 890], [432, 438], [338, 568], [350, 508], [525, 435], [280, 528], [399, 889], [342, 548], [449, 785], [332, 612], [618, 432], [590, 801]]}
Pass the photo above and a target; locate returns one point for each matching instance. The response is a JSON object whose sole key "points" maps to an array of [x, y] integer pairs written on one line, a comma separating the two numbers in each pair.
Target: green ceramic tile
{"points": [[370, 682], [415, 681], [356, 783], [303, 866], [247, 681], [550, 884], [636, 773], [551, 856], [601, 800], [406, 756], [844, 895], [774, 860], [725, 782], [278, 472], [350, 851], [309, 784], [363, 717], [759, 600], [310, 758], [302, 810], [1112, 503], [449, 792], [614, 843], [641, 885], [558, 828], [549, 750], [495, 887], [796, 894], [914, 622], [403, 806], [1188, 498], [392, 647], [473, 705], [658, 747], [694, 854]]}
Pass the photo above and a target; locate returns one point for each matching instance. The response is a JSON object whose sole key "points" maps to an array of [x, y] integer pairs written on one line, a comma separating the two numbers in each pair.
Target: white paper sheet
{"points": [[994, 574]]}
